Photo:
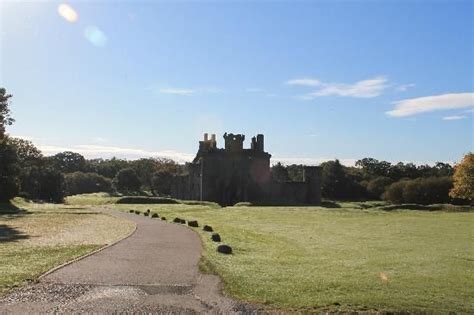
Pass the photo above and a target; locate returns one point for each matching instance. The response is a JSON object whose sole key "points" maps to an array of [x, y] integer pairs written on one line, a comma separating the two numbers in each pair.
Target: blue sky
{"points": [[391, 80]]}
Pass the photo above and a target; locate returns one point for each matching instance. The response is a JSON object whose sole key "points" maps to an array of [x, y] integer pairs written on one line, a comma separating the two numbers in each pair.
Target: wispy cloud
{"points": [[404, 87], [414, 106], [369, 88], [99, 151], [177, 91], [455, 117], [304, 82]]}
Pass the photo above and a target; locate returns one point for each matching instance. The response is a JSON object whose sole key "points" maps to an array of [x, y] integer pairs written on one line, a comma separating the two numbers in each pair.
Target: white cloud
{"points": [[455, 117], [176, 91], [362, 89], [414, 106], [304, 82], [98, 151], [404, 87]]}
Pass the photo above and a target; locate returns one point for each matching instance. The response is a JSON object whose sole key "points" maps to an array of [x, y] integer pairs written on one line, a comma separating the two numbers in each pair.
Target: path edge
{"points": [[50, 271]]}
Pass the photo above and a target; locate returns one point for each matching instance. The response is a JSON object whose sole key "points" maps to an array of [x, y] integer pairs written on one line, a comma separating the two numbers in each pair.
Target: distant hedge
{"points": [[146, 200], [419, 191]]}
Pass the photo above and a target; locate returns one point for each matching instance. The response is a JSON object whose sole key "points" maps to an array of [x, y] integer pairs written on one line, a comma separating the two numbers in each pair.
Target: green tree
{"points": [[27, 153], [464, 179], [376, 187], [82, 183], [9, 171], [68, 162], [5, 117], [127, 181], [279, 173], [43, 183], [163, 182]]}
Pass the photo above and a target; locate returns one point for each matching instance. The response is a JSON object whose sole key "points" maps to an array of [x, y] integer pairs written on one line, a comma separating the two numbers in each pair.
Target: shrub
{"points": [[215, 237], [155, 215], [224, 249], [163, 218], [193, 223], [145, 200], [146, 214], [177, 220], [137, 212], [376, 187], [420, 191], [131, 211], [207, 228]]}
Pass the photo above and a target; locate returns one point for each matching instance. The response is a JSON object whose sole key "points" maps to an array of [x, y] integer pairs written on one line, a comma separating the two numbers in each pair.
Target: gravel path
{"points": [[154, 271]]}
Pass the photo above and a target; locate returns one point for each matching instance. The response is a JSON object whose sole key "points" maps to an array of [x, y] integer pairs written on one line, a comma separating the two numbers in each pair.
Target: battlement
{"points": [[208, 144]]}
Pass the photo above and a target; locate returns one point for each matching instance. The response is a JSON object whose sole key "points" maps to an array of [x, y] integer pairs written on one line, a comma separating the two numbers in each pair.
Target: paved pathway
{"points": [[152, 271]]}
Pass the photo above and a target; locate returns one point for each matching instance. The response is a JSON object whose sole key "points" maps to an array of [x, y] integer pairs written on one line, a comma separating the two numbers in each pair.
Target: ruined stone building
{"points": [[233, 174]]}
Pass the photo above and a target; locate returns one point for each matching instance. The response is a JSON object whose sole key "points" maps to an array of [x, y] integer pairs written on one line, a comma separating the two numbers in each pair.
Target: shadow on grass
{"points": [[11, 234]]}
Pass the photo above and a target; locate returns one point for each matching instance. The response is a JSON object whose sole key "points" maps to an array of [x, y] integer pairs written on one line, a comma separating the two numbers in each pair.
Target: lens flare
{"points": [[95, 36], [67, 13]]}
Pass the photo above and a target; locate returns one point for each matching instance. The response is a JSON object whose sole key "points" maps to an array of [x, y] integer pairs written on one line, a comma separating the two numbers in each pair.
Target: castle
{"points": [[234, 174]]}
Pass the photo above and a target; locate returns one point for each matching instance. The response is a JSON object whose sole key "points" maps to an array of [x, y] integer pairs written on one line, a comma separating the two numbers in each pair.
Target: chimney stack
{"points": [[206, 137]]}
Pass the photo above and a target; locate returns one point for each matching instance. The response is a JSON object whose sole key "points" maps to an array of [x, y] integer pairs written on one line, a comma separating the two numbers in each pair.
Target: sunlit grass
{"points": [[339, 259]]}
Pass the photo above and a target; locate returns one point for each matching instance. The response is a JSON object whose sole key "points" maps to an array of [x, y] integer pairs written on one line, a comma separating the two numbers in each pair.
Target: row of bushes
{"points": [[421, 191]]}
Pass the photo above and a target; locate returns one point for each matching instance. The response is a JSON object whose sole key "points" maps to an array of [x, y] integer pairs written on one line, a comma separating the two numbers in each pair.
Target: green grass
{"points": [[37, 237], [339, 259], [91, 199]]}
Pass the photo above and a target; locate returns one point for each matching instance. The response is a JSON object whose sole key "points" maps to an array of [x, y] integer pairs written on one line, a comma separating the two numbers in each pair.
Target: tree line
{"points": [[26, 172], [371, 179]]}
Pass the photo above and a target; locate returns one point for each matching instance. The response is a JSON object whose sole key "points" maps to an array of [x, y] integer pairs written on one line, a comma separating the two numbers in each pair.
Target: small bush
{"points": [[193, 223], [207, 228], [183, 221], [215, 237], [137, 212], [131, 211], [224, 249], [155, 215], [177, 220], [163, 218], [146, 214]]}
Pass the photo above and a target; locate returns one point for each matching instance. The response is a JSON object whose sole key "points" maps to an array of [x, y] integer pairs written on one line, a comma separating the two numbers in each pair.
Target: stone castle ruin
{"points": [[234, 174]]}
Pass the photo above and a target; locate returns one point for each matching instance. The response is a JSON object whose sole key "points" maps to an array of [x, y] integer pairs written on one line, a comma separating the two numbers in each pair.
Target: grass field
{"points": [[38, 237], [339, 259]]}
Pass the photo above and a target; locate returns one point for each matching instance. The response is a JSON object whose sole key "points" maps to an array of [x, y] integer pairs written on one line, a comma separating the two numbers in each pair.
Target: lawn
{"points": [[37, 237], [339, 259]]}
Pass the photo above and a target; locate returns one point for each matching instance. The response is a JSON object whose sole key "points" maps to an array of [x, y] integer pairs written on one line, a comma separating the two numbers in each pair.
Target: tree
{"points": [[127, 181], [333, 179], [373, 167], [420, 190], [26, 151], [376, 187], [82, 183], [43, 183], [162, 182], [5, 117], [464, 179], [68, 162], [280, 173], [108, 168], [9, 171], [146, 168]]}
